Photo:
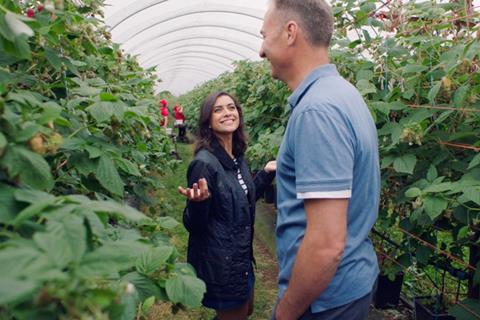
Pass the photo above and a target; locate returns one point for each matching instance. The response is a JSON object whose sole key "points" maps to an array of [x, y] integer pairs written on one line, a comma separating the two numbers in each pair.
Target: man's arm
{"points": [[318, 256]]}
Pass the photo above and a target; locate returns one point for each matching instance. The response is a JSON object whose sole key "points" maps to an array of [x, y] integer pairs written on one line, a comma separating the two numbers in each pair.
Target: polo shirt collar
{"points": [[323, 71]]}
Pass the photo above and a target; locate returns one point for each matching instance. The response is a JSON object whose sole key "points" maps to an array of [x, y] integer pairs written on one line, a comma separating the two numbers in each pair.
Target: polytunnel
{"points": [[187, 41], [113, 206]]}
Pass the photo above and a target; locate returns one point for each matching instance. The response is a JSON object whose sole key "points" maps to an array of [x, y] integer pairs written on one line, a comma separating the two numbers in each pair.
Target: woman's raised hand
{"points": [[198, 192], [271, 166]]}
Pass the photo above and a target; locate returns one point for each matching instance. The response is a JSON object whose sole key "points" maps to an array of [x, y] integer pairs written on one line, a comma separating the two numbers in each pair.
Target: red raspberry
{"points": [[39, 8], [30, 13]]}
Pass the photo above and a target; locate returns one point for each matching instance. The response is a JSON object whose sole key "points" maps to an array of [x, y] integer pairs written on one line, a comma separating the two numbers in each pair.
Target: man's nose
{"points": [[262, 53]]}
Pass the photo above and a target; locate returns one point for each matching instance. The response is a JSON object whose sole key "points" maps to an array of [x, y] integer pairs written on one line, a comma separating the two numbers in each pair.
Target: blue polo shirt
{"points": [[329, 150]]}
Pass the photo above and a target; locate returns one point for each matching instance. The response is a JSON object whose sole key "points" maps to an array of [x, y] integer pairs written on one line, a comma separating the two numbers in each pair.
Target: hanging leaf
{"points": [[107, 174], [475, 162], [14, 291], [432, 94], [432, 173], [143, 285], [467, 310], [53, 58], [413, 192], [128, 167], [31, 167], [434, 206], [186, 290], [151, 260], [17, 26], [405, 164], [472, 194], [101, 111]]}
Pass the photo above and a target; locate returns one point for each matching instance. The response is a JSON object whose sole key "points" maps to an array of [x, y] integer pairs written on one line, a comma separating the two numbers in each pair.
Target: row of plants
{"points": [[79, 138], [417, 66]]}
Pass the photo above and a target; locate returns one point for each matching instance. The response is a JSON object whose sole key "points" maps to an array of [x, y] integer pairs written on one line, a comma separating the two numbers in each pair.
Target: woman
{"points": [[179, 122], [220, 208], [164, 113]]}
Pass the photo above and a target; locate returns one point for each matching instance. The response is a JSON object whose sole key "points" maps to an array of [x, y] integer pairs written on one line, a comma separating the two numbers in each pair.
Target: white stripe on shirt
{"points": [[343, 194]]}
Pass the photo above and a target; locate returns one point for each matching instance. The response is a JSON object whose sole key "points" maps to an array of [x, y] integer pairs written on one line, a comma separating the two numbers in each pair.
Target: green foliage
{"points": [[78, 131]]}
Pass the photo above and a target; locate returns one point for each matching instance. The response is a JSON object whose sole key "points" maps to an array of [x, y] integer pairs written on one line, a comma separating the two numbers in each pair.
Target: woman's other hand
{"points": [[198, 192], [271, 166]]}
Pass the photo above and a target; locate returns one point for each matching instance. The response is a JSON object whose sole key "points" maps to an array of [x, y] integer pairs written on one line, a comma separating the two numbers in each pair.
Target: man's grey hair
{"points": [[314, 17]]}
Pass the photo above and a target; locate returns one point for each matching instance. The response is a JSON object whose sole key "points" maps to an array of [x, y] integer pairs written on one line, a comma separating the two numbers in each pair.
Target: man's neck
{"points": [[304, 66]]}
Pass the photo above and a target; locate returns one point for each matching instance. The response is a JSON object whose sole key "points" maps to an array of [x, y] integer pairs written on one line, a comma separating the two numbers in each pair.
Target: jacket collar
{"points": [[222, 156]]}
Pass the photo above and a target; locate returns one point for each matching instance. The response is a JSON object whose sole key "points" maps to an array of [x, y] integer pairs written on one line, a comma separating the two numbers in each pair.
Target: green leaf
{"points": [[405, 164], [147, 305], [106, 96], [186, 290], [31, 167], [55, 244], [434, 206], [432, 94], [28, 131], [76, 236], [51, 111], [73, 69], [365, 74], [432, 173], [423, 254], [85, 90], [101, 111], [3, 143], [151, 260], [13, 291], [128, 213], [168, 222], [143, 285], [128, 167], [8, 206], [460, 95], [414, 68], [387, 161], [53, 58], [111, 258], [5, 30], [475, 162], [472, 194], [469, 309], [365, 87], [93, 152], [96, 225], [17, 26], [107, 174], [438, 187], [32, 210], [413, 192]]}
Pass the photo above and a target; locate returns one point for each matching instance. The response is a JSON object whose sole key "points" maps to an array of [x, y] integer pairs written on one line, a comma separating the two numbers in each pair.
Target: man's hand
{"points": [[318, 256], [198, 192]]}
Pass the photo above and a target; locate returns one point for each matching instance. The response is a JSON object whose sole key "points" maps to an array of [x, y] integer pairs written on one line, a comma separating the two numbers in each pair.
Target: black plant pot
{"points": [[388, 292], [423, 310], [270, 194]]}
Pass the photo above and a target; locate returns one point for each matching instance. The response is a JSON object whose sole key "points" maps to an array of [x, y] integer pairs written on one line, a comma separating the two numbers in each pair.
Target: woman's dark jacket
{"points": [[221, 227]]}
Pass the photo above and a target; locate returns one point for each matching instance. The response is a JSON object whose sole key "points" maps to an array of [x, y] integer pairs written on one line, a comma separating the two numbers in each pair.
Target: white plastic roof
{"points": [[189, 41]]}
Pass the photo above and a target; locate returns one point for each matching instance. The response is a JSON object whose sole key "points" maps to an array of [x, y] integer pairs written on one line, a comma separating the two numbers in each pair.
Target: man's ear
{"points": [[292, 32]]}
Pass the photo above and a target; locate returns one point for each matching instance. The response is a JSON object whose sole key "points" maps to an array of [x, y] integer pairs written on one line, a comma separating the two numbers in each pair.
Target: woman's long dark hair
{"points": [[205, 134]]}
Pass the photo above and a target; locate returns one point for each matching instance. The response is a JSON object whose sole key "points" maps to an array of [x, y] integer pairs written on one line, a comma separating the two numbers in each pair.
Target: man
{"points": [[328, 173]]}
